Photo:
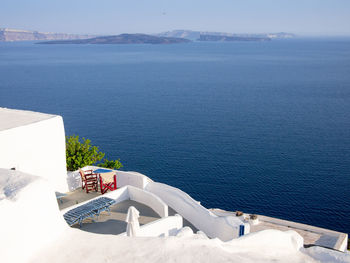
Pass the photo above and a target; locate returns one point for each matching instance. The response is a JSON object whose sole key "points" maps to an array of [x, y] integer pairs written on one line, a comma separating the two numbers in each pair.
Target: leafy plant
{"points": [[112, 164], [82, 153]]}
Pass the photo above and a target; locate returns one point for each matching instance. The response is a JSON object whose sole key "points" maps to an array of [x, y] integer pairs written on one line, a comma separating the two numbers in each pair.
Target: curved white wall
{"points": [[132, 178], [38, 148], [225, 228], [148, 199]]}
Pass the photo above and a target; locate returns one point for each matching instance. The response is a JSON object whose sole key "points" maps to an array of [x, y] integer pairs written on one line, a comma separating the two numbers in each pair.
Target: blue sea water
{"points": [[262, 127]]}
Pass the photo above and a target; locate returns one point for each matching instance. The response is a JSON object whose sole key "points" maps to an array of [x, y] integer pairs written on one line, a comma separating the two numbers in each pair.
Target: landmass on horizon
{"points": [[9, 35], [169, 37], [197, 35], [122, 39]]}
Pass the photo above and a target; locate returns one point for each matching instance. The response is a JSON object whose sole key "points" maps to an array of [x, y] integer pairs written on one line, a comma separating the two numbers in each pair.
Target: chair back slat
{"points": [[88, 180]]}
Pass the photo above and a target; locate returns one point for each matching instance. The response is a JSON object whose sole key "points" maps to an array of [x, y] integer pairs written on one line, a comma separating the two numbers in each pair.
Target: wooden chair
{"points": [[108, 181], [88, 180]]}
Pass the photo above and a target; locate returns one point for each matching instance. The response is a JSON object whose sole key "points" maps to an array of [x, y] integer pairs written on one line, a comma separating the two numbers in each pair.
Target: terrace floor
{"points": [[113, 223], [75, 197]]}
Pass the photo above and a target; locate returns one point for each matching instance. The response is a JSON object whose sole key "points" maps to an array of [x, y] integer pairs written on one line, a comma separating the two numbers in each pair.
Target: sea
{"points": [[260, 127]]}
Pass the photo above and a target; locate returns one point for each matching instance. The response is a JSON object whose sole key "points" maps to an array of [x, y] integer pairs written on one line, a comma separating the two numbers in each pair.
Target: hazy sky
{"points": [[314, 17]]}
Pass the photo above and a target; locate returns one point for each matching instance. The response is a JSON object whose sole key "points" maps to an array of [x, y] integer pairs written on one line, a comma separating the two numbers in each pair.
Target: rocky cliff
{"points": [[25, 35]]}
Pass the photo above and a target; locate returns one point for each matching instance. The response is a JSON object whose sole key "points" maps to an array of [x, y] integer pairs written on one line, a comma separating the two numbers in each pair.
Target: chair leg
{"points": [[101, 186]]}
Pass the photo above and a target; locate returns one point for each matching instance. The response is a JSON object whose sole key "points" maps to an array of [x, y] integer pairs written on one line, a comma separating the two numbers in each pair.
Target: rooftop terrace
{"points": [[10, 118]]}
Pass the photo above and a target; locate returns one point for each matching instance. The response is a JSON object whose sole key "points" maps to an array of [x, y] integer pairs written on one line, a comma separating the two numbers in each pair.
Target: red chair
{"points": [[88, 180], [108, 181]]}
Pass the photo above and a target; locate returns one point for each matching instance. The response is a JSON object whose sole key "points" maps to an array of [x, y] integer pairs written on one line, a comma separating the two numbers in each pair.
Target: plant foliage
{"points": [[112, 164], [82, 153]]}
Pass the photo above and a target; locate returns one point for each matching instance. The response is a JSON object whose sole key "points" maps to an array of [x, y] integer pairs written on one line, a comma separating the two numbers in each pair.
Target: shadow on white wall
{"points": [[73, 180]]}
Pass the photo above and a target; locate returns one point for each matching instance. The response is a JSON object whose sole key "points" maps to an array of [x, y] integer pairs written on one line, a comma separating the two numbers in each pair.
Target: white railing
{"points": [[224, 228]]}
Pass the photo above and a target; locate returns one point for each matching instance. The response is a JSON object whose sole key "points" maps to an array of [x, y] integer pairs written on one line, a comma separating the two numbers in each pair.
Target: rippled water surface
{"points": [[258, 127]]}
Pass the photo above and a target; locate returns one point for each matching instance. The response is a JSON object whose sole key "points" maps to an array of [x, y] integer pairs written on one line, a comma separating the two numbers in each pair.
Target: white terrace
{"points": [[160, 197]]}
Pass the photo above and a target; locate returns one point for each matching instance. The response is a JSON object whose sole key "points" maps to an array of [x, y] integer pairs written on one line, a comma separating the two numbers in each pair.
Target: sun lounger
{"points": [[90, 209]]}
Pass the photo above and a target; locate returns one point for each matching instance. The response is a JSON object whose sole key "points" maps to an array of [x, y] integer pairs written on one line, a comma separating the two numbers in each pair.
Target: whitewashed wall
{"points": [[167, 226], [225, 228], [37, 148]]}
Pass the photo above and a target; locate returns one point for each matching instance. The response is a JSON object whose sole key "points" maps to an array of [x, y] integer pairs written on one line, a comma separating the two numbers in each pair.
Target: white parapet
{"points": [[224, 228]]}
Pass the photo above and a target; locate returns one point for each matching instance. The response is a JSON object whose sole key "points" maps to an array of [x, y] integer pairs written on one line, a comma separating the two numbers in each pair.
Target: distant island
{"points": [[229, 38], [221, 36], [9, 35], [169, 37], [123, 39]]}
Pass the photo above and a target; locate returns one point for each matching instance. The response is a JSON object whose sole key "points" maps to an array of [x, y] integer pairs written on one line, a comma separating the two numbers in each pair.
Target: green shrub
{"points": [[80, 154], [112, 164]]}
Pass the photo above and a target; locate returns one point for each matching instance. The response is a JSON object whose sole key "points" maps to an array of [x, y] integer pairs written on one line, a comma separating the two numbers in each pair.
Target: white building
{"points": [[34, 143]]}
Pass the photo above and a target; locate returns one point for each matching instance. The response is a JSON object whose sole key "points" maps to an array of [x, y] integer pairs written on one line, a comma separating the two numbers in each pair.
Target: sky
{"points": [[303, 17]]}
